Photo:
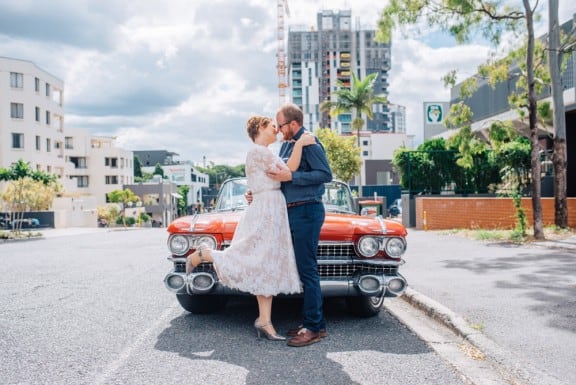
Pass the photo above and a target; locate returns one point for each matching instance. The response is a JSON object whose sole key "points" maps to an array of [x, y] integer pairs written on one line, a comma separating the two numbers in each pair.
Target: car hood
{"points": [[336, 227]]}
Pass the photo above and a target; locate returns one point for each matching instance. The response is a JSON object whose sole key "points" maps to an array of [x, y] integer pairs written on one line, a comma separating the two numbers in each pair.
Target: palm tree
{"points": [[358, 99]]}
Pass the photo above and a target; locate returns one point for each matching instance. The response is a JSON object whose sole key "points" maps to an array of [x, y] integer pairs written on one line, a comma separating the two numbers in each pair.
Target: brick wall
{"points": [[481, 213]]}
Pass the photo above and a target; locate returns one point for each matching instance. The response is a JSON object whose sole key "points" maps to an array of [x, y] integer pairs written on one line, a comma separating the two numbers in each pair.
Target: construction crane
{"points": [[283, 11]]}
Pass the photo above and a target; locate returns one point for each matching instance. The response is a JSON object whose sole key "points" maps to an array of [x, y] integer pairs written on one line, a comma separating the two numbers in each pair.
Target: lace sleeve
{"points": [[267, 160]]}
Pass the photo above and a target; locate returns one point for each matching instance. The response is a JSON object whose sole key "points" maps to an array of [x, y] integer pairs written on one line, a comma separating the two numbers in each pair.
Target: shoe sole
{"points": [[312, 341], [322, 334]]}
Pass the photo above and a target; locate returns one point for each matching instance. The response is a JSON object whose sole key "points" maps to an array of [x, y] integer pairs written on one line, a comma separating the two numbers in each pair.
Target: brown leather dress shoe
{"points": [[304, 338], [294, 331]]}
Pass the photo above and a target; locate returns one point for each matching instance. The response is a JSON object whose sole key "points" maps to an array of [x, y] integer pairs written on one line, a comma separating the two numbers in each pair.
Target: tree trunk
{"points": [[559, 156], [532, 118]]}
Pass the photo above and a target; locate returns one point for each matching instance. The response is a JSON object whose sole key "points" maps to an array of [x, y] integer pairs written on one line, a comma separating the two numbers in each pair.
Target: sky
{"points": [[184, 76]]}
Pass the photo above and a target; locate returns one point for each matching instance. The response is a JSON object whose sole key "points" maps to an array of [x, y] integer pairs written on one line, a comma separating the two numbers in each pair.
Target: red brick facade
{"points": [[440, 213]]}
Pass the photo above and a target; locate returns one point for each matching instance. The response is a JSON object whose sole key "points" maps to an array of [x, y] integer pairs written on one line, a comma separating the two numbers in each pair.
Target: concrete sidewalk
{"points": [[515, 303]]}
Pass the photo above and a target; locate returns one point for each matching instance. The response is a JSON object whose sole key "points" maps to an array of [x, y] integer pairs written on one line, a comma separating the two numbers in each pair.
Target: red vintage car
{"points": [[358, 256]]}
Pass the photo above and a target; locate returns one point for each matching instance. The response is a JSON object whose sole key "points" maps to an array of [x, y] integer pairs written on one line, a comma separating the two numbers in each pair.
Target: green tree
{"points": [[182, 203], [27, 189], [465, 18], [414, 169], [158, 170], [219, 173], [126, 197], [476, 171], [342, 153], [358, 99], [137, 167]]}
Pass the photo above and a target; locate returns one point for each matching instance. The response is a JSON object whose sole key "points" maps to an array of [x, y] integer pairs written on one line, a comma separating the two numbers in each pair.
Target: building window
{"points": [[48, 144], [16, 80], [47, 89], [111, 162], [69, 143], [78, 161], [111, 179], [364, 153], [48, 117], [17, 140], [364, 142], [38, 145], [81, 181], [37, 114], [17, 110], [36, 84]]}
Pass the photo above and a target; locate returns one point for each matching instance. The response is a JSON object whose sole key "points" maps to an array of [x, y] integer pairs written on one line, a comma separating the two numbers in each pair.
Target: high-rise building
{"points": [[331, 52]]}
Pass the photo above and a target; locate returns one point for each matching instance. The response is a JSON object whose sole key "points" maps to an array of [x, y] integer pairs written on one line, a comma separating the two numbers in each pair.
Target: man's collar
{"points": [[299, 133]]}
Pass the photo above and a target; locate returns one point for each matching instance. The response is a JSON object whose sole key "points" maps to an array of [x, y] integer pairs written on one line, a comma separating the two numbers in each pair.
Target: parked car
{"points": [[395, 209], [4, 222], [25, 223], [358, 256]]}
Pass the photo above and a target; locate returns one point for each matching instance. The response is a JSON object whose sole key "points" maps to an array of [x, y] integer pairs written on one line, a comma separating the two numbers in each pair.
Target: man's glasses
{"points": [[283, 124]]}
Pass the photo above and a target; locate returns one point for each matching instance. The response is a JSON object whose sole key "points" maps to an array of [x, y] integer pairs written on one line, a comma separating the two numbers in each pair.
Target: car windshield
{"points": [[337, 197], [231, 195]]}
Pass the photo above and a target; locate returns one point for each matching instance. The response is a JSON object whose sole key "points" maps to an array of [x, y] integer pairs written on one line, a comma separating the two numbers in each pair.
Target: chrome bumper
{"points": [[205, 283]]}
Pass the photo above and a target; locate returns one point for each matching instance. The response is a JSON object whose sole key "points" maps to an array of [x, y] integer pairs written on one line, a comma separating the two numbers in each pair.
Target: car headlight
{"points": [[178, 244], [205, 242], [395, 247], [368, 246]]}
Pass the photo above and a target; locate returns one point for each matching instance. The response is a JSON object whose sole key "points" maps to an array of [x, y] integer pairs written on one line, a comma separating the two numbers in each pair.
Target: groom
{"points": [[303, 190]]}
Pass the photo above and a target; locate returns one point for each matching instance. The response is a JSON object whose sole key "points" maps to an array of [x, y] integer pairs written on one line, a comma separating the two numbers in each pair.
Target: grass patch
{"points": [[490, 235], [512, 235], [19, 235]]}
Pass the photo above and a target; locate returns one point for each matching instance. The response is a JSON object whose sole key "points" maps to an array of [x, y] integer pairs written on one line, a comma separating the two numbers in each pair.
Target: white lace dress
{"points": [[260, 259]]}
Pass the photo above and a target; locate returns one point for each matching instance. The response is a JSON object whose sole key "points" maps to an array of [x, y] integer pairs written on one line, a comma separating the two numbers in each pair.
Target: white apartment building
{"points": [[31, 117], [94, 165], [182, 173], [32, 129]]}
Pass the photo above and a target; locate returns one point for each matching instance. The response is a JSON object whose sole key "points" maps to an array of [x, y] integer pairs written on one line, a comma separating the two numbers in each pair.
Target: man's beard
{"points": [[287, 135]]}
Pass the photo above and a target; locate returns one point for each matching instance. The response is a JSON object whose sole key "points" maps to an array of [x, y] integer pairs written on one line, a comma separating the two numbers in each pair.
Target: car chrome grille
{"points": [[349, 270], [332, 251], [335, 260]]}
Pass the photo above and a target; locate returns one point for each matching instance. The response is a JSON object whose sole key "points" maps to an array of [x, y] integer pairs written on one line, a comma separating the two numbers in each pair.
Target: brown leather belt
{"points": [[294, 204]]}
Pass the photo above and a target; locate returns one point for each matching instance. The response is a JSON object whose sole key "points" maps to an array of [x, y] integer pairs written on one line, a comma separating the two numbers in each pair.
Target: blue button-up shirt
{"points": [[307, 182]]}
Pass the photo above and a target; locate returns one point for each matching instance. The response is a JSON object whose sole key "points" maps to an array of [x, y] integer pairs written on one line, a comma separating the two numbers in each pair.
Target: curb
{"points": [[505, 360]]}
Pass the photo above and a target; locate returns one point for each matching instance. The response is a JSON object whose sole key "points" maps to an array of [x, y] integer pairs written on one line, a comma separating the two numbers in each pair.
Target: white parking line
{"points": [[125, 354]]}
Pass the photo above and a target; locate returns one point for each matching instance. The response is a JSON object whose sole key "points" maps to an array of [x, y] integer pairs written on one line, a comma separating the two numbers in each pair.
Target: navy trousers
{"points": [[305, 223]]}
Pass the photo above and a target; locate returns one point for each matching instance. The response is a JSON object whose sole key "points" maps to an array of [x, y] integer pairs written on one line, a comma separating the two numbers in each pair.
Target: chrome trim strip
{"points": [[360, 262], [325, 262], [382, 224]]}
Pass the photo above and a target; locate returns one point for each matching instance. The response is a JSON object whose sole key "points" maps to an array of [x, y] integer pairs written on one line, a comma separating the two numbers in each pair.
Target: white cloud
{"points": [[185, 75]]}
